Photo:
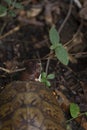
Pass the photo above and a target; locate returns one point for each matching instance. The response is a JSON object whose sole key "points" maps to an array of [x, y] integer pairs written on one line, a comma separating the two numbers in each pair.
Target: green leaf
{"points": [[62, 54], [43, 75], [74, 110], [54, 37], [17, 5], [47, 83], [53, 47], [86, 113], [51, 76], [8, 2], [3, 11], [43, 80], [12, 13]]}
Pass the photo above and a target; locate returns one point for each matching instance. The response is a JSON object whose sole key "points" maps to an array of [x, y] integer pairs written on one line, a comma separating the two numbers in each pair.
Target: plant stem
{"points": [[75, 117]]}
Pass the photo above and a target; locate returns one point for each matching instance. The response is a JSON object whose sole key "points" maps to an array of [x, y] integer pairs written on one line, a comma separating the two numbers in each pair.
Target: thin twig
{"points": [[67, 17], [10, 32], [78, 3], [80, 55], [47, 65], [2, 28], [11, 71]]}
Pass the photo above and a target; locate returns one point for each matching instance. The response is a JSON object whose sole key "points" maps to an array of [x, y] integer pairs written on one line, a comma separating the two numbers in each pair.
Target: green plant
{"points": [[9, 8], [60, 52], [45, 78], [75, 112]]}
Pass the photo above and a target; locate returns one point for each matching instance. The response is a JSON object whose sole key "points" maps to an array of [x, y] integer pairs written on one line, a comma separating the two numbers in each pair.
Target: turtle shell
{"points": [[29, 106]]}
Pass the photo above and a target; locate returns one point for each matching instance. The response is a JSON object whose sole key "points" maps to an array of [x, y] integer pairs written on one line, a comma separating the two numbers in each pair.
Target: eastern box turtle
{"points": [[29, 106]]}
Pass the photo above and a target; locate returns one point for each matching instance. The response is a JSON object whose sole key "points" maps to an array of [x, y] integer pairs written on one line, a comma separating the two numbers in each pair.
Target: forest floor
{"points": [[25, 45]]}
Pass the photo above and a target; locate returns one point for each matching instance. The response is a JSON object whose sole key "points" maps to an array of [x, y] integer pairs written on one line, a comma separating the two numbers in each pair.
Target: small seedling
{"points": [[45, 78], [75, 112], [60, 52], [9, 9]]}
